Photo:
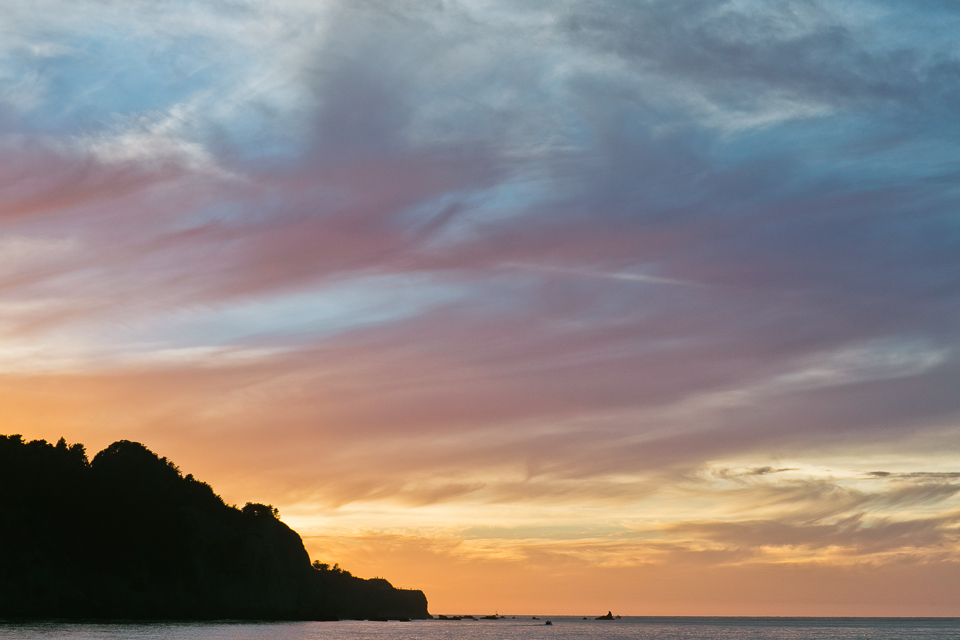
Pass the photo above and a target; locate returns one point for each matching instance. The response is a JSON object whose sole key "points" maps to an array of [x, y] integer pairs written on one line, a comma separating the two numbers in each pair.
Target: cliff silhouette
{"points": [[127, 536]]}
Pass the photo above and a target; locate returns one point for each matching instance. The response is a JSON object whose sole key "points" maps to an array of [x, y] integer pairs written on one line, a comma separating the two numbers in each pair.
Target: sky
{"points": [[541, 307]]}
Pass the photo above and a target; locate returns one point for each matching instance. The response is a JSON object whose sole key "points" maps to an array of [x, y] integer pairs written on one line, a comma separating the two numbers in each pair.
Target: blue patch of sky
{"points": [[920, 23], [262, 133], [97, 81], [480, 209], [113, 73], [308, 315], [842, 153]]}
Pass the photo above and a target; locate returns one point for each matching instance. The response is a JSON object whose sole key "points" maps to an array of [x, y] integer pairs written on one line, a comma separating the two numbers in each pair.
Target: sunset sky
{"points": [[552, 307]]}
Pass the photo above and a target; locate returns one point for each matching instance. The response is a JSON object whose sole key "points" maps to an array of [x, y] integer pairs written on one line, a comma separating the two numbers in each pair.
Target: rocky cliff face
{"points": [[127, 536]]}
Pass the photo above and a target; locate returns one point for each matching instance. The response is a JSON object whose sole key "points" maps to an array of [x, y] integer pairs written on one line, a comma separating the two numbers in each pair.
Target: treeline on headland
{"points": [[127, 536]]}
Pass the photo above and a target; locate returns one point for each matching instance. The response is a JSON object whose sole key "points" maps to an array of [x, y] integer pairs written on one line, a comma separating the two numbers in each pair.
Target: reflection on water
{"points": [[563, 628]]}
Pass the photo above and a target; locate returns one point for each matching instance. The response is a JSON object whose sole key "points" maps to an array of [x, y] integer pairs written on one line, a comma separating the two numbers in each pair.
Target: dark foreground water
{"points": [[563, 628]]}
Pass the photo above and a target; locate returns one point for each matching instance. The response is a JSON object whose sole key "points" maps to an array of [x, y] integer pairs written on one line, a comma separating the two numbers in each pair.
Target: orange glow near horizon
{"points": [[480, 533]]}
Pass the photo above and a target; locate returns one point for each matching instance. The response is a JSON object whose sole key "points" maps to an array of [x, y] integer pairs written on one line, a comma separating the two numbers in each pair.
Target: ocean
{"points": [[521, 628]]}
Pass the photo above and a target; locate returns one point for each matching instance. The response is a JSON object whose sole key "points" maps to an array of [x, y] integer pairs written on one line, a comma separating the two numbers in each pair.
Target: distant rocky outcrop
{"points": [[127, 536]]}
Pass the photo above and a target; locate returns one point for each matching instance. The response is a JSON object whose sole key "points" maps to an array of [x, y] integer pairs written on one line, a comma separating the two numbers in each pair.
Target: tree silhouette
{"points": [[126, 535]]}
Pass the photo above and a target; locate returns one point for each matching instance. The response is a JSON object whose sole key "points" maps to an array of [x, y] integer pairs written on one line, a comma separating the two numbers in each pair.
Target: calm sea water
{"points": [[563, 628]]}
